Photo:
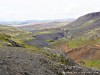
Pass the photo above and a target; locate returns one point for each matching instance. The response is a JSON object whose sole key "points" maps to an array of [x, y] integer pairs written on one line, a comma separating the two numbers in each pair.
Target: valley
{"points": [[80, 40], [52, 48]]}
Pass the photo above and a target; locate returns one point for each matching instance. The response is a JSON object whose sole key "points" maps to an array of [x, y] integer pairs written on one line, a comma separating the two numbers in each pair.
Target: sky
{"points": [[46, 9]]}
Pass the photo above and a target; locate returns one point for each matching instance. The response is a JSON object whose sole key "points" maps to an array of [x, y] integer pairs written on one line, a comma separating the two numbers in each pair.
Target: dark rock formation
{"points": [[14, 44]]}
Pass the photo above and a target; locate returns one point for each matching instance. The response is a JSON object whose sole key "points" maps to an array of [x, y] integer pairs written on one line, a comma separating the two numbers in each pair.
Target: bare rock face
{"points": [[20, 61], [92, 15]]}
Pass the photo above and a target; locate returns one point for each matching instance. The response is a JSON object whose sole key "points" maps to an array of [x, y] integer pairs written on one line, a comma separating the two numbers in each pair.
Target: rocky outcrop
{"points": [[21, 61], [14, 44]]}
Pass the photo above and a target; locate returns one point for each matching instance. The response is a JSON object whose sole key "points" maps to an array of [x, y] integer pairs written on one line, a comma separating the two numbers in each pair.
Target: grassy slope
{"points": [[89, 38], [83, 32], [92, 63], [11, 33]]}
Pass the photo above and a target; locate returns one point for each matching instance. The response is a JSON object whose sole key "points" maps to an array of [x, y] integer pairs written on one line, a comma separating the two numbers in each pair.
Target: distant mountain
{"points": [[43, 25], [85, 23], [26, 22], [18, 22]]}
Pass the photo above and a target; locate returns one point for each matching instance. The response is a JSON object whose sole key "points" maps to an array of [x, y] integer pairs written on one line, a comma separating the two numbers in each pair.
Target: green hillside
{"points": [[80, 34]]}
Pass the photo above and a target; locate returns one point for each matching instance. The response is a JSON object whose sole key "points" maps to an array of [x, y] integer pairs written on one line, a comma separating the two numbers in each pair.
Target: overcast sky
{"points": [[46, 9]]}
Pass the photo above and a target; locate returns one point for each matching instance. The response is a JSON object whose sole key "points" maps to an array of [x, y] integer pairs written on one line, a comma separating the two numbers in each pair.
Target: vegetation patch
{"points": [[91, 63], [10, 34], [57, 57]]}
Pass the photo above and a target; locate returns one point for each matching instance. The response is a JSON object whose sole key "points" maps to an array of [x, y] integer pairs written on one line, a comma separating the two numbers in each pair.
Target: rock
{"points": [[14, 44]]}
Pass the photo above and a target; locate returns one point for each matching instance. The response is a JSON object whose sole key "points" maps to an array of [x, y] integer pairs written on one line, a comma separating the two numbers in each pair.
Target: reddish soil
{"points": [[87, 52]]}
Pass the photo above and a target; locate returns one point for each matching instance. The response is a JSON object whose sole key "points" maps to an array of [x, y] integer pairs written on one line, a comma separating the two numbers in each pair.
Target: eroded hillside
{"points": [[82, 39]]}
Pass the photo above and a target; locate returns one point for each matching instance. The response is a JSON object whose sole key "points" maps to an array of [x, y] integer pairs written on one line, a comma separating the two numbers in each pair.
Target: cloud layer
{"points": [[46, 9]]}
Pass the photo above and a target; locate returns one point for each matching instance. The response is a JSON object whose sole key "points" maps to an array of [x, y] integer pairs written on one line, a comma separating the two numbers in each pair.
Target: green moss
{"points": [[59, 42], [27, 46], [15, 33], [31, 47], [56, 57], [49, 41], [4, 37], [77, 42], [92, 64]]}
